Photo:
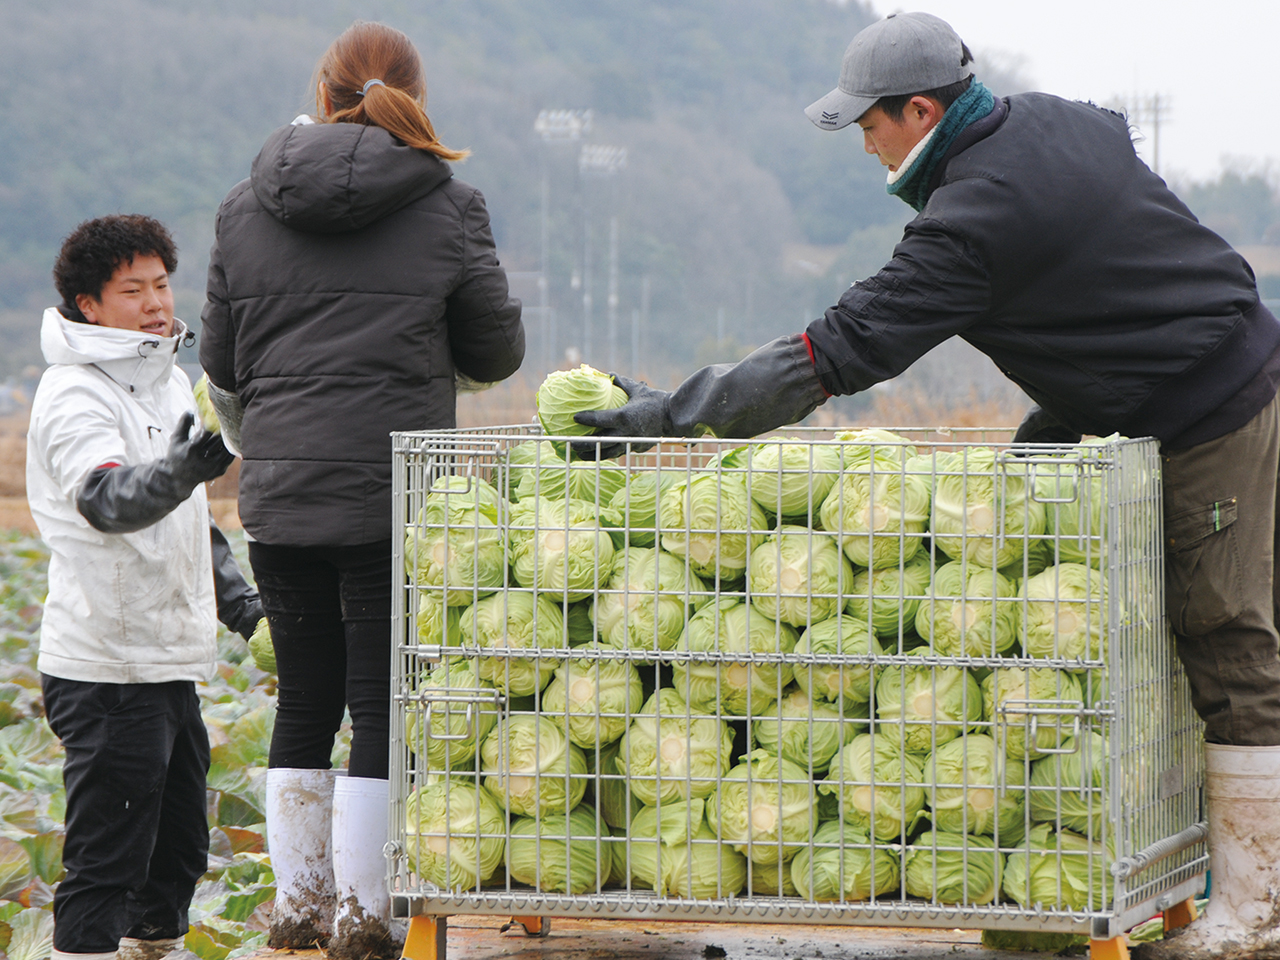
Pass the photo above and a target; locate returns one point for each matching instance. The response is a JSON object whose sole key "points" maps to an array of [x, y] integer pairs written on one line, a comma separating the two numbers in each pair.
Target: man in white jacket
{"points": [[115, 480]]}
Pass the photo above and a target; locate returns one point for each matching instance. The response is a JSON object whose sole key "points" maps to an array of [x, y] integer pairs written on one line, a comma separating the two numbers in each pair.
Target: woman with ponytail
{"points": [[353, 286]]}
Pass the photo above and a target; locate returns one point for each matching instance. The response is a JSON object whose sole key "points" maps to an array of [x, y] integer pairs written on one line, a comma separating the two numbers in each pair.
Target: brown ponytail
{"points": [[373, 51]]}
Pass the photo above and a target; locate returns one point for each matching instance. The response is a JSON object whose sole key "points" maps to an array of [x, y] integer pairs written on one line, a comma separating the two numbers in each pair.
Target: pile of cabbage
{"points": [[844, 671]]}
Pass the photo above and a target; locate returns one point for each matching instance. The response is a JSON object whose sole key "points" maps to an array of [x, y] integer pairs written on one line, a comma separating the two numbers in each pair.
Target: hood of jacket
{"points": [[337, 177], [130, 358]]}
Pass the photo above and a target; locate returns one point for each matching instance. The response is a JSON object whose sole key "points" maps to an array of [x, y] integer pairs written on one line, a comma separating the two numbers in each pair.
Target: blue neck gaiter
{"points": [[974, 104]]}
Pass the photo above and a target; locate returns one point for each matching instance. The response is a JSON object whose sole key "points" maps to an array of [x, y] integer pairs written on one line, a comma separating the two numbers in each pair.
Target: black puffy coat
{"points": [[351, 276], [1051, 247]]}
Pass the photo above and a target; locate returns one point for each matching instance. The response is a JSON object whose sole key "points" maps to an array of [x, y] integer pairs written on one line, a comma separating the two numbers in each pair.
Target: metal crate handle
{"points": [[1032, 710], [472, 699]]}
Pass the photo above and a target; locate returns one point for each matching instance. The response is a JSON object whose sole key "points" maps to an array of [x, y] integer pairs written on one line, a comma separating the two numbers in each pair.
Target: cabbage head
{"points": [[668, 754], [578, 627], [791, 479], [859, 446], [764, 808], [261, 648], [1057, 780], [944, 867], [636, 504], [438, 625], [729, 626], [1014, 729], [531, 767], [461, 561], [847, 685], [928, 704], [594, 699], [799, 576], [1066, 613], [646, 602], [1079, 528], [964, 781], [842, 864], [514, 620], [711, 522], [1062, 871], [455, 833], [805, 731], [566, 392], [968, 614], [523, 458], [887, 599], [561, 854], [594, 482], [877, 511], [453, 729], [555, 553], [450, 499], [770, 880], [676, 854], [983, 510], [880, 787], [617, 804], [1038, 557], [208, 415]]}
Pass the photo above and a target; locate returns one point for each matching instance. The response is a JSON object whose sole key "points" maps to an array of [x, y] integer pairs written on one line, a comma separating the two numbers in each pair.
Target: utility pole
{"points": [[1146, 112]]}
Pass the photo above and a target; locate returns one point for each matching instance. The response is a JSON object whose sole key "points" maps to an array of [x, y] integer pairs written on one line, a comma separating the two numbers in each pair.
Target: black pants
{"points": [[137, 755], [330, 615]]}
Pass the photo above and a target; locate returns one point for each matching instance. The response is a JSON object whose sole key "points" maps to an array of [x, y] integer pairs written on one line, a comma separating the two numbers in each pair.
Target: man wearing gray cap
{"points": [[1043, 240]]}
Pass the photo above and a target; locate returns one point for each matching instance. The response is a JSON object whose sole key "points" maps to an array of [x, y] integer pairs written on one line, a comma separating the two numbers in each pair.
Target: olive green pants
{"points": [[1220, 591]]}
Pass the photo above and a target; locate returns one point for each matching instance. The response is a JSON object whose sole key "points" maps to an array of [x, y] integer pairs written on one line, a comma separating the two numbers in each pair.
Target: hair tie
{"points": [[370, 83]]}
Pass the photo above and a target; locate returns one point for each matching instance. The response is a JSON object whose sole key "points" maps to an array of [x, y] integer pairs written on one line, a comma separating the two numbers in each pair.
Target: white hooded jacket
{"points": [[122, 608]]}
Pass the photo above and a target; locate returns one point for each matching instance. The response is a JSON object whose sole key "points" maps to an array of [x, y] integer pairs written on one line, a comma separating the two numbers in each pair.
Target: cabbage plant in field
{"points": [[592, 698], [646, 602], [461, 561], [675, 853], [971, 612], [636, 504], [798, 576], [522, 621], [453, 730], [764, 808], [566, 392], [887, 599], [931, 704], [877, 511], [983, 508], [945, 867], [840, 864], [711, 522], [846, 684], [1059, 871], [790, 480], [880, 787], [1058, 780], [558, 550], [972, 788], [729, 626], [668, 753], [531, 767], [806, 731], [455, 833], [559, 853], [1066, 613], [1026, 734]]}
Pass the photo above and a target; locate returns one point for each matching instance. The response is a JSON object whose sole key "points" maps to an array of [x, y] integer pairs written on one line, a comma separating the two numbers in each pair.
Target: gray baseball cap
{"points": [[903, 53]]}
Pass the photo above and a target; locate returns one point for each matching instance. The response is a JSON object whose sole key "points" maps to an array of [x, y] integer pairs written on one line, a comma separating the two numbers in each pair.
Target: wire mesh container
{"points": [[913, 677]]}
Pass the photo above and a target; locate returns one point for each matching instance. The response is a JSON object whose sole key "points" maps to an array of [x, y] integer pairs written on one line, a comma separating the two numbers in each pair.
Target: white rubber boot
{"points": [[1242, 920], [299, 837], [362, 927], [131, 948]]}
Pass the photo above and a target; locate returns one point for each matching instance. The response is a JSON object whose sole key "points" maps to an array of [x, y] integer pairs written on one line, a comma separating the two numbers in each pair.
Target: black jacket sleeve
{"points": [[217, 337], [936, 286], [239, 608]]}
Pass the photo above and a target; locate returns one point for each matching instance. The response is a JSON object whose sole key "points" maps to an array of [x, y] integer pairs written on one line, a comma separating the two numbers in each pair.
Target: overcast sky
{"points": [[1217, 63]]}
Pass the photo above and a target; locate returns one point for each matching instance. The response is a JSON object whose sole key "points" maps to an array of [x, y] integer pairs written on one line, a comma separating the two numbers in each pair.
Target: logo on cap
{"points": [[828, 117]]}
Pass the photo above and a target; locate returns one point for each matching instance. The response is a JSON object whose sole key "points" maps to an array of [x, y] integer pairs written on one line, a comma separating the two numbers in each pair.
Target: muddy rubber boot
{"points": [[362, 927], [63, 955], [299, 838], [1242, 921], [131, 948]]}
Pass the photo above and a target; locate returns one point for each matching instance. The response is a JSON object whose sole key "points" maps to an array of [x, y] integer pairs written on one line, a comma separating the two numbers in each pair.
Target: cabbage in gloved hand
{"points": [[208, 416], [264, 652], [566, 392]]}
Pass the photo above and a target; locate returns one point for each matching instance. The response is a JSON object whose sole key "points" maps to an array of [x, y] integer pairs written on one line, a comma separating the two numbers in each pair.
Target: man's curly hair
{"points": [[97, 248]]}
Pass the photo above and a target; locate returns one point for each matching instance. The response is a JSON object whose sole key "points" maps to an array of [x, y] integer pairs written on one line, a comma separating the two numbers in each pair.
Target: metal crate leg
{"points": [[1117, 948], [533, 926], [1180, 914], [426, 938]]}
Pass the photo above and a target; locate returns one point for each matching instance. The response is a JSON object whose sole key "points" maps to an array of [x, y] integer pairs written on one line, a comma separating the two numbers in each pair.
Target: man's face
{"points": [[137, 297], [891, 140]]}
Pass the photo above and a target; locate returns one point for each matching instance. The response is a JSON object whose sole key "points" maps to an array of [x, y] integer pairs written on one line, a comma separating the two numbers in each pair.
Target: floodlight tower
{"points": [[600, 160]]}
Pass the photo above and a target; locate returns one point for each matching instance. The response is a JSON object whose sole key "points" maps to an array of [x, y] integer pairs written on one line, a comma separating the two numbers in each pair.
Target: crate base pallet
{"points": [[971, 634]]}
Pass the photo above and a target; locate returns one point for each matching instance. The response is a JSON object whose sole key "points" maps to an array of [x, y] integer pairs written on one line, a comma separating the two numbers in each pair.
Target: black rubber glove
{"points": [[239, 608], [124, 499], [1038, 426], [774, 386]]}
